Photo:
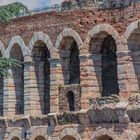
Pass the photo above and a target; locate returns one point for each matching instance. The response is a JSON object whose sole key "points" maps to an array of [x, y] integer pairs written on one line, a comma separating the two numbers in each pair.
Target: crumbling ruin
{"points": [[79, 80]]}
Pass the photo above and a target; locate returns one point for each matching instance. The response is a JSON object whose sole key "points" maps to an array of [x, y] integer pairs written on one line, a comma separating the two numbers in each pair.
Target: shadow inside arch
{"points": [[41, 56], [39, 138], [104, 59], [70, 62], [68, 138], [104, 137], [15, 138], [133, 74]]}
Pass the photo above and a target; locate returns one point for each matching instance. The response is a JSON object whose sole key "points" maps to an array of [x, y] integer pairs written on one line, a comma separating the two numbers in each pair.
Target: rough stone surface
{"points": [[33, 98]]}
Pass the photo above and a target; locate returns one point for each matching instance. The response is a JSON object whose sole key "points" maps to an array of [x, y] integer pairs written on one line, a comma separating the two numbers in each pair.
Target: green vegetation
{"points": [[7, 12], [69, 4], [5, 63]]}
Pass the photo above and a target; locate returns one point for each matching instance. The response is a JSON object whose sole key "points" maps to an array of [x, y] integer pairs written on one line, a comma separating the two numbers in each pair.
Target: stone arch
{"points": [[17, 40], [69, 44], [44, 38], [103, 28], [104, 136], [131, 38], [103, 60], [15, 133], [39, 132], [39, 138], [70, 132], [17, 74], [130, 29], [130, 134], [69, 33], [41, 76]]}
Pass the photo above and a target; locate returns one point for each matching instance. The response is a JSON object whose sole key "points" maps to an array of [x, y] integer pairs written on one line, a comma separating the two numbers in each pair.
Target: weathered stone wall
{"points": [[43, 42]]}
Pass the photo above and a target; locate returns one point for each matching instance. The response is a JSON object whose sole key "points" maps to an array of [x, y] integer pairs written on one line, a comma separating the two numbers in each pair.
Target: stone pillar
{"points": [[27, 89], [33, 97], [94, 75], [65, 65], [126, 74], [84, 81], [9, 99], [56, 79]]}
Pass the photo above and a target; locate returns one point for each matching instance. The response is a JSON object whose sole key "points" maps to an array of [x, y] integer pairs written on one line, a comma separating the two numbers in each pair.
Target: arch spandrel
{"points": [[71, 132], [68, 33], [108, 29], [39, 36], [15, 133], [20, 42]]}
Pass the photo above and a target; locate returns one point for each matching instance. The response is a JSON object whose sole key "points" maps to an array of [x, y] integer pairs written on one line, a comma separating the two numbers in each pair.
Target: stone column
{"points": [[122, 75], [65, 65], [56, 79], [33, 98], [84, 81], [94, 75], [28, 107], [9, 97], [127, 79]]}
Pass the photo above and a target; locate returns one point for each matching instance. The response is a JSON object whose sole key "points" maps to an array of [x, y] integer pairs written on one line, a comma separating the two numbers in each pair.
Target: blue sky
{"points": [[32, 3]]}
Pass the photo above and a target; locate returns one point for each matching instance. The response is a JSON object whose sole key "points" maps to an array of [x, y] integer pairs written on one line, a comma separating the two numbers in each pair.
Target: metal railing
{"points": [[59, 8]]}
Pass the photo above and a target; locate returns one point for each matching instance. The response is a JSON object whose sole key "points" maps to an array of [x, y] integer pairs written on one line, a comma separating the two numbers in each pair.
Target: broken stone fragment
{"points": [[121, 112]]}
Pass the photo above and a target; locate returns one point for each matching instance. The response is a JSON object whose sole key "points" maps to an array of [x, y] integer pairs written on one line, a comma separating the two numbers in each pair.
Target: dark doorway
{"points": [[70, 99], [74, 64], [70, 62]]}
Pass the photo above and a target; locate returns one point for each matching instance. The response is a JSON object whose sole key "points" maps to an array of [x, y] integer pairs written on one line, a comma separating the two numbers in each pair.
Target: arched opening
{"points": [[68, 138], [70, 62], [70, 100], [105, 137], [39, 138], [18, 80], [1, 93], [133, 73], [103, 54], [40, 56], [15, 138], [109, 67]]}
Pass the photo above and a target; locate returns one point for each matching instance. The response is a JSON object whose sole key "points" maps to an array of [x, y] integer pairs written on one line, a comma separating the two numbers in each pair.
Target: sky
{"points": [[31, 4]]}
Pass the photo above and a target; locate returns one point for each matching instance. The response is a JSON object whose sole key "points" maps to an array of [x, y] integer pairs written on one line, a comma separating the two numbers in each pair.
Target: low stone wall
{"points": [[80, 125]]}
